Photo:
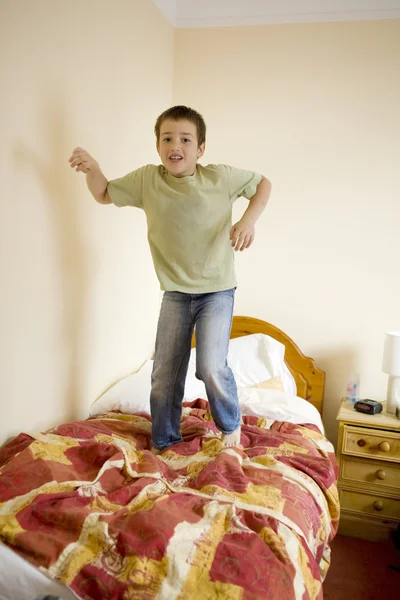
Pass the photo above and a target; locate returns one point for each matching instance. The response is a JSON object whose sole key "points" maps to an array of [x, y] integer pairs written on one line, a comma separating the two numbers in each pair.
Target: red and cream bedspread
{"points": [[93, 508]]}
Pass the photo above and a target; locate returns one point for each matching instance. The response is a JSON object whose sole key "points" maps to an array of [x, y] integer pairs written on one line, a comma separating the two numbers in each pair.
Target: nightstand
{"points": [[368, 454]]}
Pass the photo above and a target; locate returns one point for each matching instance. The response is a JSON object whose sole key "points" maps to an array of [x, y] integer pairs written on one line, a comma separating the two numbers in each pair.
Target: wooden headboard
{"points": [[310, 380]]}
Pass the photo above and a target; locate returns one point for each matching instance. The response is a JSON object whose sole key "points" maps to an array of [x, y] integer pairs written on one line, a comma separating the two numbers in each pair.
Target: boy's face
{"points": [[178, 147]]}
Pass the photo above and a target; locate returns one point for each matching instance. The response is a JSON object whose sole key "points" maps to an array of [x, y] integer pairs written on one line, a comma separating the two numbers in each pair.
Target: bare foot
{"points": [[232, 439]]}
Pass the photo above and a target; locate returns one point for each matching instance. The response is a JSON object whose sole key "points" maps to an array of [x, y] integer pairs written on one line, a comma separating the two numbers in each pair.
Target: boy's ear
{"points": [[158, 147], [200, 150]]}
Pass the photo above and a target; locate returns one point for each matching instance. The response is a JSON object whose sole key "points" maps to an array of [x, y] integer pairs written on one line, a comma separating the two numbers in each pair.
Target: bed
{"points": [[87, 511]]}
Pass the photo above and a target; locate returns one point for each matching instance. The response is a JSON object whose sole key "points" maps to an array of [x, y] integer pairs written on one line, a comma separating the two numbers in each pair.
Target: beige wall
{"points": [[315, 107], [79, 299]]}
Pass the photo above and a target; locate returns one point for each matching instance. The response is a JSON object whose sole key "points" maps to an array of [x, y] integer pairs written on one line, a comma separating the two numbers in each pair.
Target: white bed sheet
{"points": [[19, 580], [278, 406]]}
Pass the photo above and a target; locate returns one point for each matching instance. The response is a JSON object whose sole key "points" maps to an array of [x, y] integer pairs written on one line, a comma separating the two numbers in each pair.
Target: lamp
{"points": [[391, 366]]}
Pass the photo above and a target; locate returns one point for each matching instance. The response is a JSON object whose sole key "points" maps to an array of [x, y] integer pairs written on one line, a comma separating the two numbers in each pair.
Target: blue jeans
{"points": [[212, 315]]}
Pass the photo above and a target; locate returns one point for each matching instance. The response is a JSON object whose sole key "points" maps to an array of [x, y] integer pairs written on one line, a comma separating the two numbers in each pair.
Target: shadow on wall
{"points": [[71, 253], [338, 366]]}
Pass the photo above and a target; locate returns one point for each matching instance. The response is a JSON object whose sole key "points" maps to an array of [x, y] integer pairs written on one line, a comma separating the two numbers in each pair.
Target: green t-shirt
{"points": [[189, 221]]}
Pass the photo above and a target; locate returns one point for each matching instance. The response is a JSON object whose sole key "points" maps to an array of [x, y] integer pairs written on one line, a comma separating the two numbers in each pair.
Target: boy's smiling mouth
{"points": [[176, 157]]}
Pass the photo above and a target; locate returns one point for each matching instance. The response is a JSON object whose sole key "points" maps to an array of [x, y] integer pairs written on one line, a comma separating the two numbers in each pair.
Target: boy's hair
{"points": [[179, 113]]}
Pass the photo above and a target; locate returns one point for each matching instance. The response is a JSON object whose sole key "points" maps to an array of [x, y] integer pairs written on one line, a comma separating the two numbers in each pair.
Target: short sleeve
{"points": [[243, 183], [127, 190]]}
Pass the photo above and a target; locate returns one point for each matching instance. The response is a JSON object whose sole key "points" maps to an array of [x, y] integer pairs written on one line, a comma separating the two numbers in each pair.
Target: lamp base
{"points": [[393, 394]]}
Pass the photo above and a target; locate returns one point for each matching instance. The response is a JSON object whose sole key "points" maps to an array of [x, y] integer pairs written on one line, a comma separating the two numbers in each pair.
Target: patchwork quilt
{"points": [[90, 506]]}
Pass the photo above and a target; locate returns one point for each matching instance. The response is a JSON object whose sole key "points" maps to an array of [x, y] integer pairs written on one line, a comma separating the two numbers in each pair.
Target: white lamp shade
{"points": [[391, 353]]}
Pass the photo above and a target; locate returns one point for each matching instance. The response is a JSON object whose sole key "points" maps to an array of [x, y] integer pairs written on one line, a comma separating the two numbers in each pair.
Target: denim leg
{"points": [[173, 344], [213, 326]]}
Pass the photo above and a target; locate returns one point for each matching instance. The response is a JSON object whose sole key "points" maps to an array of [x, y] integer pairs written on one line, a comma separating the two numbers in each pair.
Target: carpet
{"points": [[360, 571]]}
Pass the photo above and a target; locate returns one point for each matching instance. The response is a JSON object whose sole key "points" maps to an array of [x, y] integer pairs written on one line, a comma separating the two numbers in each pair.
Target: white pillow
{"points": [[253, 358], [129, 395]]}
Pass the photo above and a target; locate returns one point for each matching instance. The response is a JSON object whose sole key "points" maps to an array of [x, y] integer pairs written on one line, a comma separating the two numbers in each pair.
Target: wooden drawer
{"points": [[369, 504], [384, 475], [366, 528], [371, 443]]}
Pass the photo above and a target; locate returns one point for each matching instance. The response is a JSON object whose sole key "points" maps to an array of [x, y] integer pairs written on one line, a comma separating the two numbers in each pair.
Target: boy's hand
{"points": [[82, 161], [242, 235]]}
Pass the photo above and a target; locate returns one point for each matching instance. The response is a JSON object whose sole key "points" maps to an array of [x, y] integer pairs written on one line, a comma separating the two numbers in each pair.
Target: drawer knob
{"points": [[378, 505], [384, 446], [381, 474], [361, 443]]}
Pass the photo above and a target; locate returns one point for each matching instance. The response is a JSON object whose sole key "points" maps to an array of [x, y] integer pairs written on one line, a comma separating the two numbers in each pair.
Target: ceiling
{"points": [[233, 13]]}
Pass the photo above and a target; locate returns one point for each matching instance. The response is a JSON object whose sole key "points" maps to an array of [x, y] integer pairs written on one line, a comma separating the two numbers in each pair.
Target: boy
{"points": [[189, 211]]}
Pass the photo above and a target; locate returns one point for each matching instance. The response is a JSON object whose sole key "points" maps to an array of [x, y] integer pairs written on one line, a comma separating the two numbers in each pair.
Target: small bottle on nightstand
{"points": [[353, 388]]}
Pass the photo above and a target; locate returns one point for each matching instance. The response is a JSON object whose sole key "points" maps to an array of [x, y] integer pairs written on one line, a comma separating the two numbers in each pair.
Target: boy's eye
{"points": [[186, 139], [167, 139]]}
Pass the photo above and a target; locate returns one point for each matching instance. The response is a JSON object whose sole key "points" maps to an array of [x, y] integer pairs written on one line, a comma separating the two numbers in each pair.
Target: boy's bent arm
{"points": [[97, 184], [83, 162], [258, 202], [242, 233]]}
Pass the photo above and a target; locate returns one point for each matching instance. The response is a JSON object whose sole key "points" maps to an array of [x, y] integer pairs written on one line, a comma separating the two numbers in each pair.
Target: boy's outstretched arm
{"points": [[242, 232], [83, 162]]}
